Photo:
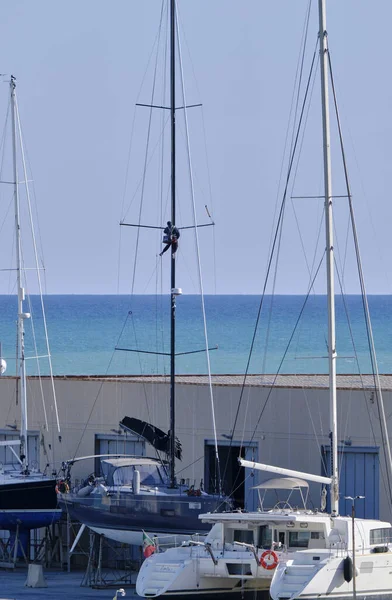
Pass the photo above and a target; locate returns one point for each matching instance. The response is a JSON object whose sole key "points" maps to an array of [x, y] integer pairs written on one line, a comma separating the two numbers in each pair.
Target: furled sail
{"points": [[155, 436]]}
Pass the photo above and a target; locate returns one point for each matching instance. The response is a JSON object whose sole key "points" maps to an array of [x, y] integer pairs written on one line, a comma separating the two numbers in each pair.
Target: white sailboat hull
{"points": [[135, 538]]}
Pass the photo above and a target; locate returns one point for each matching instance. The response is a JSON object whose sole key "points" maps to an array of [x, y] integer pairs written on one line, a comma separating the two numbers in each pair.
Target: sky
{"points": [[82, 66]]}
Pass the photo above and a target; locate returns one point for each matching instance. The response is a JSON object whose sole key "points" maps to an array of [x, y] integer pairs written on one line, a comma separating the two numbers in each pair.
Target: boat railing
{"points": [[338, 549], [166, 541]]}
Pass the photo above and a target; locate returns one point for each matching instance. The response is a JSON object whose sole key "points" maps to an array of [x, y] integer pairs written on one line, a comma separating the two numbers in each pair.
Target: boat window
{"points": [[381, 536], [243, 535], [149, 475], [299, 539], [265, 537]]}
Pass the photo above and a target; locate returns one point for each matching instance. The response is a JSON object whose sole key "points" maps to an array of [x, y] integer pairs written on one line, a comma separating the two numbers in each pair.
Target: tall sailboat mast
{"points": [[21, 294], [173, 262], [329, 257]]}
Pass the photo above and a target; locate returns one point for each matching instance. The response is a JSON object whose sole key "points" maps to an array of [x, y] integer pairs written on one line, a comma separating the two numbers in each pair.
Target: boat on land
{"points": [[292, 552], [136, 494], [28, 498], [241, 550], [354, 561]]}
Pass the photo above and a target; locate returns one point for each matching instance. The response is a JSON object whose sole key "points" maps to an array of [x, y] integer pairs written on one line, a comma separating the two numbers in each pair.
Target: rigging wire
{"points": [[355, 353], [272, 386], [155, 44], [274, 245], [369, 330], [145, 162], [209, 184], [192, 192], [39, 280], [297, 85]]}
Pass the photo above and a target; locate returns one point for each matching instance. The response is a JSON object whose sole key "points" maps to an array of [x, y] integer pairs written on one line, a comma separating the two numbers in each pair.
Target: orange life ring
{"points": [[272, 558], [62, 487]]}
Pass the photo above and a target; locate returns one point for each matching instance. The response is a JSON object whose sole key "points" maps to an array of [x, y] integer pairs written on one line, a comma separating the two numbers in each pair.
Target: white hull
{"points": [[135, 538], [191, 570], [308, 578]]}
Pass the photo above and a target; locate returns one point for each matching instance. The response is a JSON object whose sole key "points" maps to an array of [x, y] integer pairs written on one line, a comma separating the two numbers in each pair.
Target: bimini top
{"points": [[131, 462], [282, 483], [120, 471]]}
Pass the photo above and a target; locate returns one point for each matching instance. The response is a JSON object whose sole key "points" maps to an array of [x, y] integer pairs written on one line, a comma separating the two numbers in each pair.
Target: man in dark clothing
{"points": [[170, 238]]}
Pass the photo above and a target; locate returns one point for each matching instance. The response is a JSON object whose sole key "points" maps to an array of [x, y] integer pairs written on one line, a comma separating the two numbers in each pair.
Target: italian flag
{"points": [[149, 546]]}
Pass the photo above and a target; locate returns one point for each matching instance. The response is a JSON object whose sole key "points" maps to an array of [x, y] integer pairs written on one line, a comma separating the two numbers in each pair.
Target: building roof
{"points": [[316, 381]]}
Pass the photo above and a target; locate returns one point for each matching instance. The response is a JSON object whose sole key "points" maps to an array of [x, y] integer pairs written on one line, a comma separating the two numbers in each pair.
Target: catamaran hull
{"points": [[365, 595], [188, 570], [373, 580], [221, 593]]}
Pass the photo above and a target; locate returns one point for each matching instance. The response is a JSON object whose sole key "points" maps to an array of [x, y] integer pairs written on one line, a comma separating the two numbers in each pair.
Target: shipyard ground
{"points": [[61, 585]]}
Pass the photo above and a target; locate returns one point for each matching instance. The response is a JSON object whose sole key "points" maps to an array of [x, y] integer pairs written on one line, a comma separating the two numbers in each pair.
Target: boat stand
{"points": [[11, 550], [123, 569], [48, 550]]}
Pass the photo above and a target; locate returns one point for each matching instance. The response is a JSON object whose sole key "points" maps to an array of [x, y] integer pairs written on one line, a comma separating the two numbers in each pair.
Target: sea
{"points": [[122, 335]]}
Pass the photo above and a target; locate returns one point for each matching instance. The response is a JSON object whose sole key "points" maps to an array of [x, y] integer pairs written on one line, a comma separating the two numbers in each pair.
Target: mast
{"points": [[172, 262], [21, 293], [330, 257]]}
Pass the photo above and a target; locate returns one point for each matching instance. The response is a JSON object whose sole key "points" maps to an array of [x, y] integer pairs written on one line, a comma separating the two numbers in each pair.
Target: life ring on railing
{"points": [[269, 560], [62, 487]]}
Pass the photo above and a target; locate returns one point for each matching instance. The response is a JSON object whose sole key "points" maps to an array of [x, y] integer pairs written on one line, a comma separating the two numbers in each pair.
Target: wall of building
{"points": [[289, 425]]}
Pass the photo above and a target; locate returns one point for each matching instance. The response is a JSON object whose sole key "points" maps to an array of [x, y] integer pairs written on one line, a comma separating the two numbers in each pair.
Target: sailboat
{"points": [[136, 494], [28, 498], [355, 558], [295, 553]]}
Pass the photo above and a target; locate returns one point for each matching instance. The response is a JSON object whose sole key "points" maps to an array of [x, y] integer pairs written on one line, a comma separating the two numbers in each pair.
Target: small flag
{"points": [[149, 546]]}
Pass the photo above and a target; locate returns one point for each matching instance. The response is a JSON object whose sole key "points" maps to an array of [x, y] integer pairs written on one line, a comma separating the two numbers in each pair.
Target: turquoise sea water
{"points": [[84, 330]]}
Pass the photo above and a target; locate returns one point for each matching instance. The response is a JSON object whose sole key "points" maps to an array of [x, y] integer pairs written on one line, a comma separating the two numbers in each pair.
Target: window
{"points": [[8, 460], [299, 539], [243, 535], [381, 536], [149, 475], [265, 537], [117, 444]]}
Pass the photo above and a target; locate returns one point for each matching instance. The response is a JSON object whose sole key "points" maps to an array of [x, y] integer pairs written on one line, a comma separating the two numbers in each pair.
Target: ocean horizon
{"points": [[85, 330]]}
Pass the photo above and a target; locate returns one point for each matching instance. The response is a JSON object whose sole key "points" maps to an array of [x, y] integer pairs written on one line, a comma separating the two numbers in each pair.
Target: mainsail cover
{"points": [[155, 436]]}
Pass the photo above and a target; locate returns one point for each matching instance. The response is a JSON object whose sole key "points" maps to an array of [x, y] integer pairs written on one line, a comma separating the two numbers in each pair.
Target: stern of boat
{"points": [[164, 572]]}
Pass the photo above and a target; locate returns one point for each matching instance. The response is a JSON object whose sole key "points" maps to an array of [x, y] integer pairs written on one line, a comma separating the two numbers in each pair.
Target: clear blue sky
{"points": [[79, 67]]}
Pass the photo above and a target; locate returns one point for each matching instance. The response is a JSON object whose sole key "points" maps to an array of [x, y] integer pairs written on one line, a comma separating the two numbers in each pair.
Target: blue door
{"points": [[358, 476]]}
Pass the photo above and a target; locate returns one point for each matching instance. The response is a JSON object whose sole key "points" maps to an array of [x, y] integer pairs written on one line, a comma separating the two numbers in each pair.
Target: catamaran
{"points": [[296, 553]]}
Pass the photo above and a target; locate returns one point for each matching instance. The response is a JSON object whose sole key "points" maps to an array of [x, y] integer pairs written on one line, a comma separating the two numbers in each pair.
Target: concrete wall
{"points": [[288, 424]]}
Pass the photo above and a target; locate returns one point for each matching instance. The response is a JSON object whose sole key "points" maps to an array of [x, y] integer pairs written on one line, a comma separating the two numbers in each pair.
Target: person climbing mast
{"points": [[170, 238]]}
